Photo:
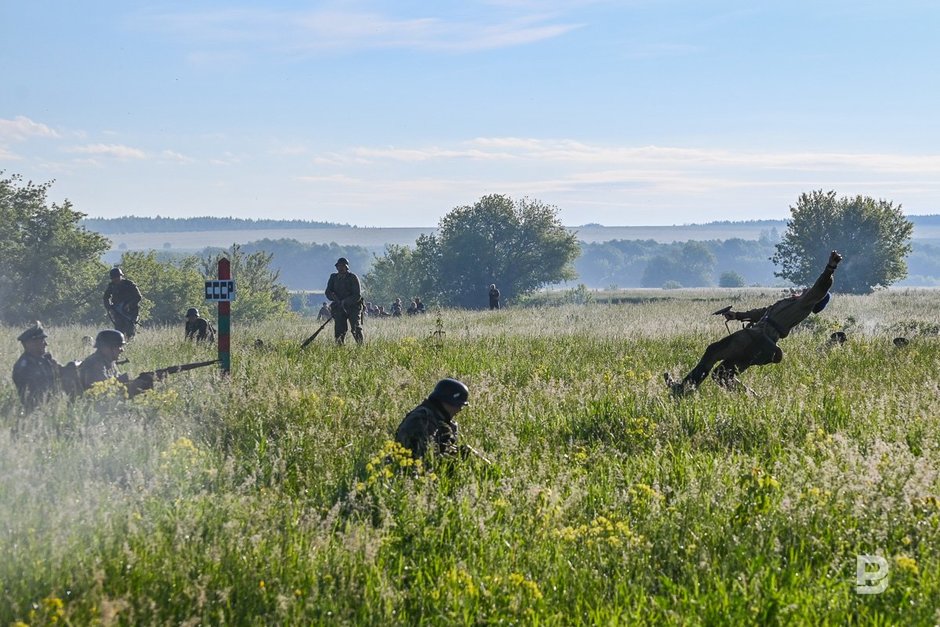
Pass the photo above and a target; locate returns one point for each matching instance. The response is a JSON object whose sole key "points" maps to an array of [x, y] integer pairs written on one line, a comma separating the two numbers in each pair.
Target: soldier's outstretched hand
{"points": [[834, 258]]}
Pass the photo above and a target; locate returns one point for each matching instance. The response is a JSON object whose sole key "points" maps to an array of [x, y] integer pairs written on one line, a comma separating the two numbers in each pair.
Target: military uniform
{"points": [[122, 300], [427, 426], [36, 379], [197, 329], [757, 344], [346, 293], [494, 298], [96, 368]]}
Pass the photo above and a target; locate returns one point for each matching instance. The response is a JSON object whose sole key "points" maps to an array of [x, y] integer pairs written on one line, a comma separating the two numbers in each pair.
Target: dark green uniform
{"points": [[36, 378], [96, 368], [197, 329], [122, 300], [428, 426], [346, 293], [757, 344]]}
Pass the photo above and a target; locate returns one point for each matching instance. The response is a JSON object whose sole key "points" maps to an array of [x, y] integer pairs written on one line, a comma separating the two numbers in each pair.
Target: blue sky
{"points": [[392, 113]]}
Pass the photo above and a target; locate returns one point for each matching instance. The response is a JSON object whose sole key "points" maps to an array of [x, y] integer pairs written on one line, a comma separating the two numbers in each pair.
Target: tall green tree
{"points": [[259, 294], [518, 245], [873, 236], [50, 267]]}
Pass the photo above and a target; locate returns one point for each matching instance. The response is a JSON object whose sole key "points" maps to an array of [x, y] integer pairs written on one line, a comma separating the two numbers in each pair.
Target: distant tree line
{"points": [[158, 224]]}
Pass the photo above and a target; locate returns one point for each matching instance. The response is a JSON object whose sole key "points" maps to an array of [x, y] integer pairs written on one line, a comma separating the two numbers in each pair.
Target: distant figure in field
{"points": [[345, 293], [494, 297], [756, 345], [35, 373], [396, 308], [198, 328], [324, 313], [122, 302], [430, 427]]}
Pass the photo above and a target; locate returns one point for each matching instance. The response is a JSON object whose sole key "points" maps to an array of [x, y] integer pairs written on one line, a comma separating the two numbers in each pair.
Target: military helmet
{"points": [[192, 312], [822, 303], [342, 261], [35, 332], [110, 338], [452, 392], [116, 272]]}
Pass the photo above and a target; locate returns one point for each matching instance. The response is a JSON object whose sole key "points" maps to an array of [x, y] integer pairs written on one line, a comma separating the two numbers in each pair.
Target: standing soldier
{"points": [[197, 328], [122, 302], [756, 345], [494, 297], [35, 373], [396, 308], [431, 424], [324, 313], [101, 365], [345, 292]]}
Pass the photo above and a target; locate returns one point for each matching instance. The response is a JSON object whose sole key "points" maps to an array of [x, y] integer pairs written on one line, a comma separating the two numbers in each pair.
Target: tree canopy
{"points": [[518, 245], [50, 267], [873, 236]]}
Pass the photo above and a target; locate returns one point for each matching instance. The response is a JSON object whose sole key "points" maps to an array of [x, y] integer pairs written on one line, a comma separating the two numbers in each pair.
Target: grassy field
{"points": [[275, 497]]}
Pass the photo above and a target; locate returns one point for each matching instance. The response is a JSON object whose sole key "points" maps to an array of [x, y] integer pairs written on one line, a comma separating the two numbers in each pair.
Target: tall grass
{"points": [[273, 497]]}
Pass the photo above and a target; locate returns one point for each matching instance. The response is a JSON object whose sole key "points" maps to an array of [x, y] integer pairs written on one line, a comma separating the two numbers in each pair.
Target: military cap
{"points": [[35, 332], [342, 261]]}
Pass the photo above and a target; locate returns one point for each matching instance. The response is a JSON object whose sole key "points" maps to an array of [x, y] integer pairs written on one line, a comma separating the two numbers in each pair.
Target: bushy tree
{"points": [[518, 245], [692, 264], [169, 287], [873, 236], [49, 265], [730, 278], [259, 293]]}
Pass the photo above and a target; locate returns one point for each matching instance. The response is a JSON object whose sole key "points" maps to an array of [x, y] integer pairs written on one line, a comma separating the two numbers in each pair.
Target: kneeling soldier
{"points": [[431, 424]]}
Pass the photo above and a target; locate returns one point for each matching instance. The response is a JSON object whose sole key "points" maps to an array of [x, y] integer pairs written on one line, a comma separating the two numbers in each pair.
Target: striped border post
{"points": [[225, 320]]}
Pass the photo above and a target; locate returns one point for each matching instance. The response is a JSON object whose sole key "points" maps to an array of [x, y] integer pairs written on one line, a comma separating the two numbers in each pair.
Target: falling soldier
{"points": [[345, 293], [122, 302], [756, 345]]}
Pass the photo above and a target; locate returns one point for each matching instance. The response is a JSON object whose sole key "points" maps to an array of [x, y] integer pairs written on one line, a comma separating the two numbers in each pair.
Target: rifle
{"points": [[316, 333], [722, 312], [466, 449], [162, 372]]}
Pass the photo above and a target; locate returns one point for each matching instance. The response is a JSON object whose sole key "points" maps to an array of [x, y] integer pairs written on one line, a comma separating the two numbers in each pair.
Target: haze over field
{"points": [[391, 114]]}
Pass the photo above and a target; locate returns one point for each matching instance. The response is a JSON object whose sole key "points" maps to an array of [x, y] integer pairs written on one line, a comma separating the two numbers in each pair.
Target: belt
{"points": [[773, 325]]}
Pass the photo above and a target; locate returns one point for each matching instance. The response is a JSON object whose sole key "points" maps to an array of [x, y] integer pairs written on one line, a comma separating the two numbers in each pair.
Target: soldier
{"points": [[197, 328], [324, 313], [35, 373], [494, 297], [101, 366], [396, 308], [431, 424], [344, 291], [756, 345], [122, 302]]}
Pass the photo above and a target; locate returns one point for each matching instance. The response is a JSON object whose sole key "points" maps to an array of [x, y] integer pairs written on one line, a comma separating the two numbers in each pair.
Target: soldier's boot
{"points": [[357, 335], [341, 339]]}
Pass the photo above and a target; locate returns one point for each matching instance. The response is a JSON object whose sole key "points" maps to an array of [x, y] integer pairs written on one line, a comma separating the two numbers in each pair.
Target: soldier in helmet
{"points": [[494, 296], [756, 345], [122, 302], [197, 328], [431, 425], [101, 365], [35, 373], [345, 292]]}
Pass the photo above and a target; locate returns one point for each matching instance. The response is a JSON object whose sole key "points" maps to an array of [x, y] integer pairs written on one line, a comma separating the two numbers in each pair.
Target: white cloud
{"points": [[171, 155], [21, 128], [110, 150], [346, 29]]}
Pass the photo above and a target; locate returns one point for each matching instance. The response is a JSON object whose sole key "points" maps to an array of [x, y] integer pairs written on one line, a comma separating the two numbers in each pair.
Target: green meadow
{"points": [[275, 496]]}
